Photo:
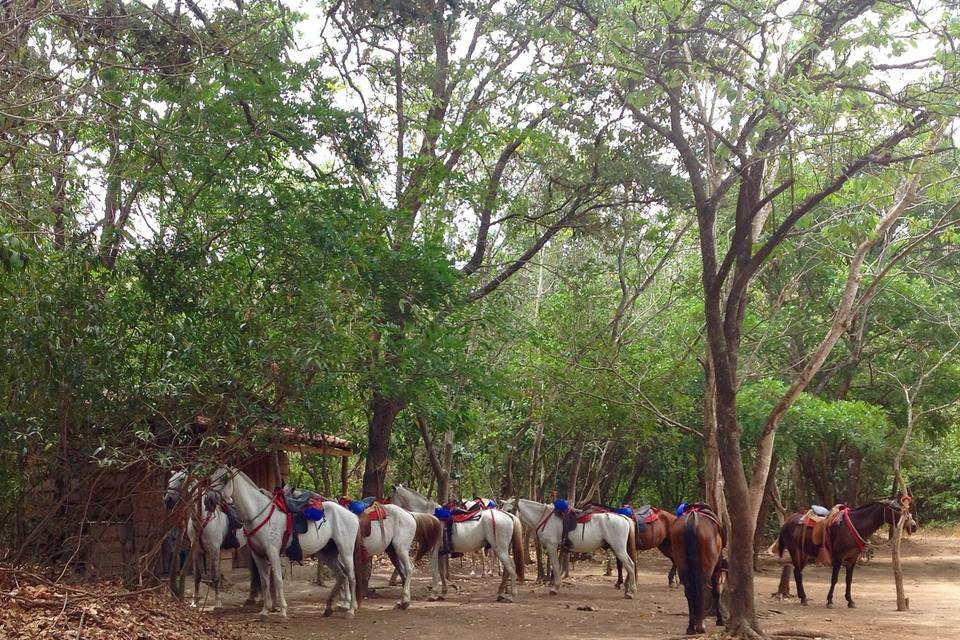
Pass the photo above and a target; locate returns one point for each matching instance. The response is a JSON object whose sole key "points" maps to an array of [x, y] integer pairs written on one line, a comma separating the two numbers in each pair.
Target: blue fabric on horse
{"points": [[441, 513], [357, 507], [561, 505], [624, 511], [492, 504], [681, 508]]}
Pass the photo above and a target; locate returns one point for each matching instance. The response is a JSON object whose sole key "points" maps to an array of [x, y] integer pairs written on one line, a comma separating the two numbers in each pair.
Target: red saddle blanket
{"points": [[652, 517], [376, 513], [584, 518], [466, 517]]}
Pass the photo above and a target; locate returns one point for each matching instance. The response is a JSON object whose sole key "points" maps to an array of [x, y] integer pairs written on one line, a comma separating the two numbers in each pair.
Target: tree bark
{"points": [[575, 470], [383, 413]]}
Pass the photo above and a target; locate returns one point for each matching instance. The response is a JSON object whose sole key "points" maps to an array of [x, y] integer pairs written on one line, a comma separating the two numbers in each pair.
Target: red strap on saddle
{"points": [[585, 518], [654, 514], [276, 503], [376, 512], [705, 514]]}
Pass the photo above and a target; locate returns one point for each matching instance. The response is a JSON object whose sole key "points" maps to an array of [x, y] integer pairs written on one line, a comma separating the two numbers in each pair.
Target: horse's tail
{"points": [[632, 545], [360, 556], [782, 540], [517, 543], [693, 580], [427, 535]]}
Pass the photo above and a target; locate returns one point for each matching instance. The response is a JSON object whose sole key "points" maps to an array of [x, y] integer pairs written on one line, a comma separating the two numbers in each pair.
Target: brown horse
{"points": [[844, 537], [654, 535], [697, 540]]}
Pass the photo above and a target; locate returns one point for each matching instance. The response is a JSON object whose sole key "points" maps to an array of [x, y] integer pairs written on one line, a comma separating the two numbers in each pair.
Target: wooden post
{"points": [[344, 472]]}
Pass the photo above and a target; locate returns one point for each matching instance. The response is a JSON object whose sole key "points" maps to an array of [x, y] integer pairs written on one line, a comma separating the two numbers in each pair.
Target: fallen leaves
{"points": [[34, 608]]}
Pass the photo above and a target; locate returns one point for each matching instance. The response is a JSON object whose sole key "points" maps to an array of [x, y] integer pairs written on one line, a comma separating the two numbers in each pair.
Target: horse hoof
{"points": [[402, 605], [553, 592], [432, 598], [617, 587], [327, 613], [829, 605], [691, 631], [803, 603], [628, 595], [350, 615], [264, 617], [249, 602], [284, 617], [851, 605]]}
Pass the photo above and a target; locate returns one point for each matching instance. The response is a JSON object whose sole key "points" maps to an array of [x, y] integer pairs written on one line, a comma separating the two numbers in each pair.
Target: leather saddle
{"points": [[644, 515], [573, 517], [296, 500], [374, 513]]}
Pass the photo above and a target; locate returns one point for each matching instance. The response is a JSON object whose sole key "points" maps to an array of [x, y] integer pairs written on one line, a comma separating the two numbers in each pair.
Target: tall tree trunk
{"points": [[575, 470], [383, 413], [713, 475]]}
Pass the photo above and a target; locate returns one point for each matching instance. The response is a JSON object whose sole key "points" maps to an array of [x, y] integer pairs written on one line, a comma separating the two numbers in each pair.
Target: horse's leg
{"points": [[216, 578], [339, 580], [263, 568], [436, 592], [255, 588], [394, 578], [672, 575], [619, 548], [554, 555], [715, 585], [619, 574], [197, 575], [508, 584], [798, 577], [403, 555], [276, 572], [689, 590], [850, 567], [833, 583]]}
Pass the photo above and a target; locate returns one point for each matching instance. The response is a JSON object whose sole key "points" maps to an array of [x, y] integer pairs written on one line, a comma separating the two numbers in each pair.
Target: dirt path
{"points": [[932, 573]]}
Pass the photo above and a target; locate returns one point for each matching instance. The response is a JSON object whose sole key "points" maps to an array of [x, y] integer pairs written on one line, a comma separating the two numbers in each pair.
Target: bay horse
{"points": [[498, 529], [697, 541], [654, 535], [209, 534], [845, 538], [335, 539], [610, 529]]}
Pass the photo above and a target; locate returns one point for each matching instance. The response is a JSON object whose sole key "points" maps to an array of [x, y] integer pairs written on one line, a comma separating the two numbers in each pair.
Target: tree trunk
{"points": [[713, 475], [575, 470], [443, 482], [383, 413]]}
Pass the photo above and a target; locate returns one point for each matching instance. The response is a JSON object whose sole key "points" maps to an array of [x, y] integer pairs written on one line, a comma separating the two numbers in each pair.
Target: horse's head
{"points": [[221, 482], [508, 505], [174, 488], [893, 510], [398, 496]]}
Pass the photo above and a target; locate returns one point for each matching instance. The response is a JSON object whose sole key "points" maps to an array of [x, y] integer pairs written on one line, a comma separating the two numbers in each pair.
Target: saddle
{"points": [[374, 513], [645, 515], [230, 540], [573, 517], [302, 507], [456, 512], [707, 511]]}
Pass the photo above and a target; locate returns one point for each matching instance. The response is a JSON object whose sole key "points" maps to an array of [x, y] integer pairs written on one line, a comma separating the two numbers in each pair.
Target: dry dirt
{"points": [[932, 578]]}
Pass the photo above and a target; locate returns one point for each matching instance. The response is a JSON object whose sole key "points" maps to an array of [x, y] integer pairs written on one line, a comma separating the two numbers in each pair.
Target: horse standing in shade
{"points": [[697, 540], [335, 539], [393, 533], [494, 527], [213, 528], [844, 536], [653, 535], [614, 530]]}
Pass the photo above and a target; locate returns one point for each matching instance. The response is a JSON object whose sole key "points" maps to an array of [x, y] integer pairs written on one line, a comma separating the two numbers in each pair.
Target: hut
{"points": [[117, 522]]}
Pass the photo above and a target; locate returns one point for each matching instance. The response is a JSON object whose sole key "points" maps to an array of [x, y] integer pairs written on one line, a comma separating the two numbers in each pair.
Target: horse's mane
{"points": [[882, 502]]}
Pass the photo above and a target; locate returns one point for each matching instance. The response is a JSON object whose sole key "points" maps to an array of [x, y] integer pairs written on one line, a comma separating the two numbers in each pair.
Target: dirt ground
{"points": [[932, 579]]}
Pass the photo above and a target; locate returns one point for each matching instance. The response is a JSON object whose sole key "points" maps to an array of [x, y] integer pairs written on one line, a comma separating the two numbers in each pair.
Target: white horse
{"points": [[265, 525], [212, 528], [496, 528], [611, 529], [395, 534]]}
